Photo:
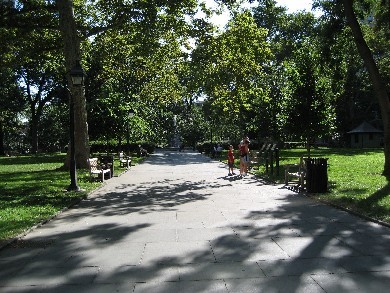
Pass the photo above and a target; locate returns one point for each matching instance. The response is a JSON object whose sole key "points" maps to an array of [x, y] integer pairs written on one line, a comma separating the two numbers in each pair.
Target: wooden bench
{"points": [[256, 157], [296, 173], [254, 160], [271, 157], [267, 156], [124, 161], [96, 169], [107, 162]]}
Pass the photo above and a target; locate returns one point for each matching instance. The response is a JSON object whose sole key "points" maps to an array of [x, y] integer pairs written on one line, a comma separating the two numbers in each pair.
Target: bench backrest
{"points": [[93, 164], [263, 147], [302, 163]]}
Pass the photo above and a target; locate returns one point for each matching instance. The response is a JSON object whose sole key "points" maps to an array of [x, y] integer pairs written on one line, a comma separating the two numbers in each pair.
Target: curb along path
{"points": [[178, 223]]}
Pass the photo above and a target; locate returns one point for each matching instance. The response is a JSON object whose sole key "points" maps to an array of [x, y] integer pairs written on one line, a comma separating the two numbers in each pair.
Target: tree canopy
{"points": [[268, 73]]}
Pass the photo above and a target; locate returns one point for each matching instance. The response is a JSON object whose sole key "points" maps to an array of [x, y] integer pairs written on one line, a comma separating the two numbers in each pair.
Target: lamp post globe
{"points": [[77, 74]]}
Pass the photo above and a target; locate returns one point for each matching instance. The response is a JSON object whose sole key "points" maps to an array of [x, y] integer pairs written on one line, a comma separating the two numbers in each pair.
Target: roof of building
{"points": [[365, 127]]}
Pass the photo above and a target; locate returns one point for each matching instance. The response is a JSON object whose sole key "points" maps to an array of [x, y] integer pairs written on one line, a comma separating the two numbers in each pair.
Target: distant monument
{"points": [[175, 141]]}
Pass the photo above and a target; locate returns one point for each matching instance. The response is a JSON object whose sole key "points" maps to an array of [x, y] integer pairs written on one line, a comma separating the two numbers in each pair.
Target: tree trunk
{"points": [[2, 150], [72, 55], [378, 84], [34, 133]]}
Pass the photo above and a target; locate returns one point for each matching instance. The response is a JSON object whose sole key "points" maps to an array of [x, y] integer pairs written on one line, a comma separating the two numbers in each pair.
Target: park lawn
{"points": [[32, 189]]}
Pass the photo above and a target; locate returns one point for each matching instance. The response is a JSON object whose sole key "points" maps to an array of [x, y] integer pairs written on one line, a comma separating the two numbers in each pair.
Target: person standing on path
{"points": [[231, 161], [244, 156]]}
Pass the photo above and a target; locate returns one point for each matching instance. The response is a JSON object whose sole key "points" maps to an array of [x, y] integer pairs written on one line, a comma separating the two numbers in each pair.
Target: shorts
{"points": [[231, 164], [245, 159]]}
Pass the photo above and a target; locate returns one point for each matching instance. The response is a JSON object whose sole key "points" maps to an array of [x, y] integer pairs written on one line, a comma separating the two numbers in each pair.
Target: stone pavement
{"points": [[177, 223]]}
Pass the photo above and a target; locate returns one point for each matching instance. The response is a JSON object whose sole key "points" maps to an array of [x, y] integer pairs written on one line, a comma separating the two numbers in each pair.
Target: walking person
{"points": [[231, 161], [246, 157]]}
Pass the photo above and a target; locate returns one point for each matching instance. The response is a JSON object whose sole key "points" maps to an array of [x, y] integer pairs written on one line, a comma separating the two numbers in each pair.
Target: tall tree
{"points": [[231, 68], [11, 102], [24, 53], [139, 67], [11, 98], [306, 108], [38, 91], [297, 86], [72, 54], [376, 78], [79, 20]]}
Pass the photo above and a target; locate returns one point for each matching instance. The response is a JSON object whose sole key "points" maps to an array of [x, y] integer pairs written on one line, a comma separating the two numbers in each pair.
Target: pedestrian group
{"points": [[243, 148]]}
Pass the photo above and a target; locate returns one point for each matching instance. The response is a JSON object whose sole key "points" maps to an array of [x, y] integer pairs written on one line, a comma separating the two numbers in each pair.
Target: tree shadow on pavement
{"points": [[262, 242]]}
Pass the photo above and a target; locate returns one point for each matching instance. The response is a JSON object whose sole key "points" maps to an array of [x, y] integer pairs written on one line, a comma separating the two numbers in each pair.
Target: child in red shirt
{"points": [[231, 160]]}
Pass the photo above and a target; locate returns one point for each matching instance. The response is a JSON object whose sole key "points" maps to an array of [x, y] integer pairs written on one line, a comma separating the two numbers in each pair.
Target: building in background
{"points": [[366, 136]]}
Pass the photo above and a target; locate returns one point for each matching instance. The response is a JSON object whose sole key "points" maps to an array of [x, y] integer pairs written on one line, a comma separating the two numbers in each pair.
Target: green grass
{"points": [[355, 180], [33, 188]]}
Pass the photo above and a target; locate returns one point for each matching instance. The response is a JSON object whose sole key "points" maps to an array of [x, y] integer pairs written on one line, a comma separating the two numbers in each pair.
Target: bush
{"points": [[113, 147]]}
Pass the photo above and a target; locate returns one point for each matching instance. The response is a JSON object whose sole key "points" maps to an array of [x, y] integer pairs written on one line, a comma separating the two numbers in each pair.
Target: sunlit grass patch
{"points": [[33, 188]]}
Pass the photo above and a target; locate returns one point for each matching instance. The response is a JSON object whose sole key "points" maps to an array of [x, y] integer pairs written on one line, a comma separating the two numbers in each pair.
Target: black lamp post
{"points": [[77, 74], [130, 115]]}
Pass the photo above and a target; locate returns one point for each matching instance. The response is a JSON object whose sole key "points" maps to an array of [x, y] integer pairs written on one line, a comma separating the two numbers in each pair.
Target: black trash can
{"points": [[317, 175], [108, 162]]}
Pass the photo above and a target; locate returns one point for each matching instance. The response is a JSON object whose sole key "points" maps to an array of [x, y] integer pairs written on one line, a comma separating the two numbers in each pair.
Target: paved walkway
{"points": [[177, 223]]}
